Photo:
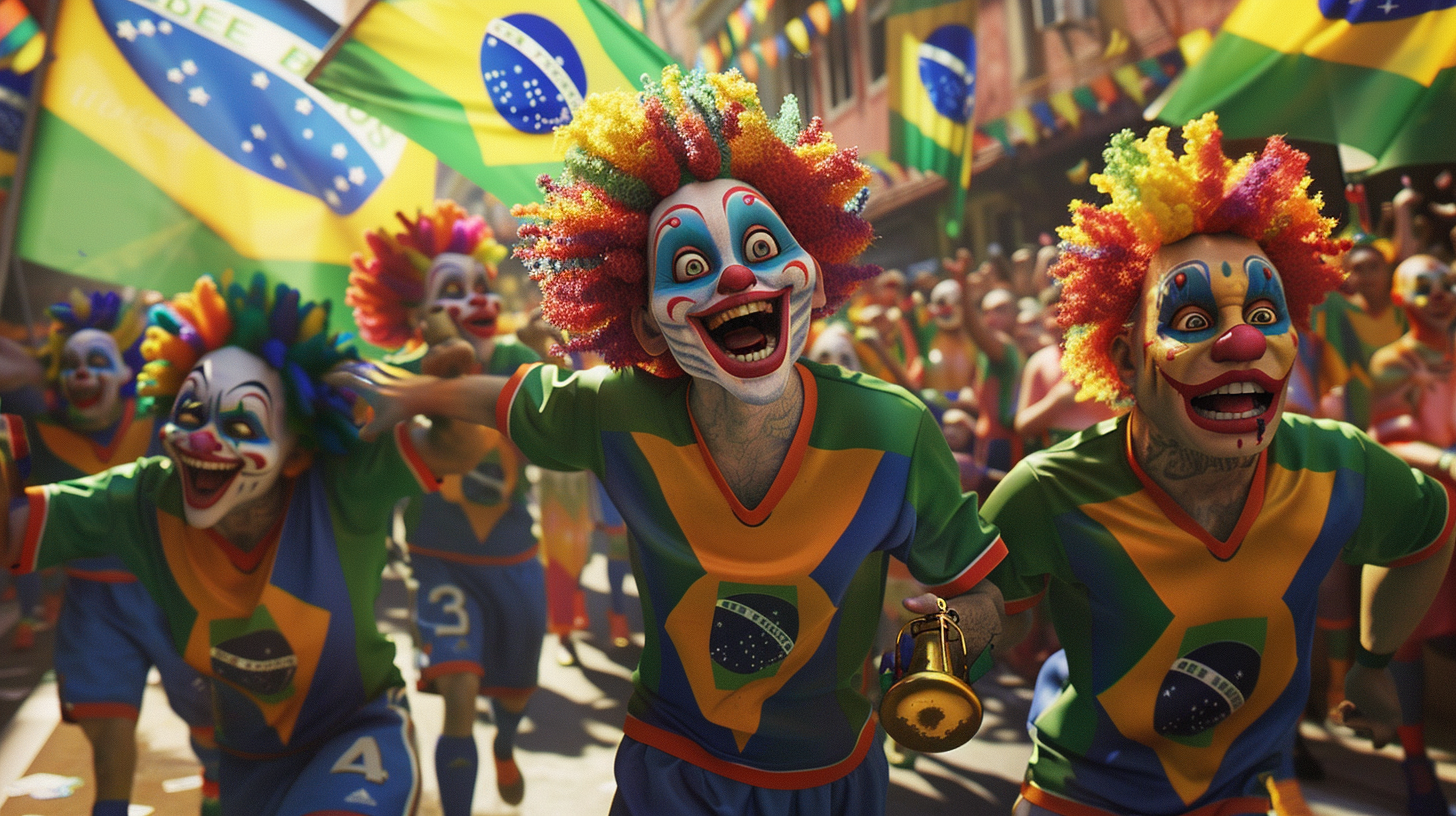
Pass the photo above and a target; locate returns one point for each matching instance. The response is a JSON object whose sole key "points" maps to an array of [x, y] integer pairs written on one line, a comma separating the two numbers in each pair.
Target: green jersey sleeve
{"points": [[553, 415], [1407, 514], [1020, 507], [105, 514]]}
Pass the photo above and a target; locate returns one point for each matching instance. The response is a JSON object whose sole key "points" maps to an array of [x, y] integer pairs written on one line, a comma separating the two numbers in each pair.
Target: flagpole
{"points": [[336, 42], [11, 217]]}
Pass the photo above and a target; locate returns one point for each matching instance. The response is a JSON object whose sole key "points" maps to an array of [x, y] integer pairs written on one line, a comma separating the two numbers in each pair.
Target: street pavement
{"points": [[568, 740]]}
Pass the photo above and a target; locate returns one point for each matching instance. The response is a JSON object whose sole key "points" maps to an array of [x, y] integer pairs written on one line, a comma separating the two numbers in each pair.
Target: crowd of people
{"points": [[1145, 465]]}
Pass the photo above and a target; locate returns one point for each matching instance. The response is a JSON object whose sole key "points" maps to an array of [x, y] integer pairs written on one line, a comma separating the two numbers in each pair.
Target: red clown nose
{"points": [[1241, 344]]}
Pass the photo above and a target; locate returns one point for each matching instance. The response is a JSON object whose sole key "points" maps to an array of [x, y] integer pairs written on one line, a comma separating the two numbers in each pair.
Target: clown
{"points": [[260, 536], [480, 608], [1181, 546], [1414, 415], [951, 358], [691, 239], [110, 632]]}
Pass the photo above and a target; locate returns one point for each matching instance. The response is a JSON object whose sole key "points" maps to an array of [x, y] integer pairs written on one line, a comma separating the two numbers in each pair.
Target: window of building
{"points": [[801, 81], [875, 45], [841, 61], [1060, 13]]}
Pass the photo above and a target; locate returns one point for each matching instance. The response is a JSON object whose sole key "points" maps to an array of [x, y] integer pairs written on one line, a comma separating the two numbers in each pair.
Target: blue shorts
{"points": [[368, 767], [108, 636], [651, 781], [488, 620]]}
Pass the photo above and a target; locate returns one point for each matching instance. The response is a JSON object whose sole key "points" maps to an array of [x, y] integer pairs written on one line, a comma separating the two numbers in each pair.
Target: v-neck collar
{"points": [[788, 470], [1253, 503], [246, 561]]}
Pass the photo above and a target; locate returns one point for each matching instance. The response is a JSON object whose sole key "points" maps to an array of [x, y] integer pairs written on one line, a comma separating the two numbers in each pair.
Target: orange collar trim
{"points": [[788, 471], [1253, 504]]}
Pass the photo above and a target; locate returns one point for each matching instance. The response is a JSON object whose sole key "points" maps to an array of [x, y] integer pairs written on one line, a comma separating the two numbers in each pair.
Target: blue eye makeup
{"points": [[1187, 310], [759, 232], [686, 251], [1264, 306]]}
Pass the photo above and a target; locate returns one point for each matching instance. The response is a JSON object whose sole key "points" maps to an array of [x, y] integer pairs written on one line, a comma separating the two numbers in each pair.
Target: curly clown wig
{"points": [[387, 287], [1158, 199], [124, 320], [290, 336], [625, 152]]}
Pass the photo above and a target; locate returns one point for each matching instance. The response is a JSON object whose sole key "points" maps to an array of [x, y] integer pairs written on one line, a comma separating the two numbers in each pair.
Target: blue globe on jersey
{"points": [[947, 61], [204, 67], [533, 73]]}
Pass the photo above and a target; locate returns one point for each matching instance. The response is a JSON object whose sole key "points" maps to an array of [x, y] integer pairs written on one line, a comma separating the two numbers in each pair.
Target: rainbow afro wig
{"points": [[625, 152], [386, 288], [124, 320], [1158, 199], [290, 336]]}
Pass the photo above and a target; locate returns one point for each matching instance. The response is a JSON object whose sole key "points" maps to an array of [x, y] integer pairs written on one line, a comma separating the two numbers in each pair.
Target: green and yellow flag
{"points": [[484, 83], [179, 137], [930, 53], [1350, 72]]}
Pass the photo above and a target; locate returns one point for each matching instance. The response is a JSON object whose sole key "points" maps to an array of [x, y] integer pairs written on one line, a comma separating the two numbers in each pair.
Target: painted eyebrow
{"points": [[662, 224], [259, 385]]}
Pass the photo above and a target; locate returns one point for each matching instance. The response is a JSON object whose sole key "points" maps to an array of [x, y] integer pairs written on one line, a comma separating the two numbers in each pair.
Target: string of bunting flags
{"points": [[734, 46], [1139, 81]]}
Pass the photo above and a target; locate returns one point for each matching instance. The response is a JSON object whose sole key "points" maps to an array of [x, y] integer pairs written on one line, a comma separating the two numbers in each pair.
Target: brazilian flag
{"points": [[484, 83], [179, 137], [930, 55], [1374, 75]]}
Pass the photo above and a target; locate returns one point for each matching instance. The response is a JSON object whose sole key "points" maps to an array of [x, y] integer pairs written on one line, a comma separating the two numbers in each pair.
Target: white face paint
{"points": [[228, 433], [834, 346], [732, 290], [92, 375], [945, 305], [460, 285]]}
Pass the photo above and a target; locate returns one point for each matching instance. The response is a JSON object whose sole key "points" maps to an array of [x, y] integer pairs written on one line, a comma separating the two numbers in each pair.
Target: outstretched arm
{"points": [[396, 395]]}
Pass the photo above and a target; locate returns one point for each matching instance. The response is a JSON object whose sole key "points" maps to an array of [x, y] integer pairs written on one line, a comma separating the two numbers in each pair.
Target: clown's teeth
{"points": [[203, 464], [755, 356], [1245, 387], [719, 318], [1249, 414]]}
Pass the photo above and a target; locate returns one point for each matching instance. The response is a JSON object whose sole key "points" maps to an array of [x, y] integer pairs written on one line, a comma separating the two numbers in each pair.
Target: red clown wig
{"points": [[386, 288], [587, 244], [1159, 199]]}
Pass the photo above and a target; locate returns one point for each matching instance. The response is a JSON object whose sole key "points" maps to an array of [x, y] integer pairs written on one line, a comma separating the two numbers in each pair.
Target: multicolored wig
{"points": [[1158, 199], [103, 311], [387, 287], [625, 152], [290, 336]]}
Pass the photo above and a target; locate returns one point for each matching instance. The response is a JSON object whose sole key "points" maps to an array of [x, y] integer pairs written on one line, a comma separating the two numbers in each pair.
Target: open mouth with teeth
{"points": [[1232, 403], [746, 333], [480, 324], [204, 481]]}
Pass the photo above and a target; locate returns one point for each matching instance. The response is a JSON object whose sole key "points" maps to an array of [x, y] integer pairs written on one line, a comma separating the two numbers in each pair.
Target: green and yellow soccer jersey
{"points": [[286, 630], [759, 619], [1350, 336], [1189, 656]]}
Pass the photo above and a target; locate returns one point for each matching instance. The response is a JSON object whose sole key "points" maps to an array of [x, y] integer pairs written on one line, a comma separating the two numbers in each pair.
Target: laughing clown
{"points": [[260, 535], [480, 608], [1181, 546], [110, 633], [690, 240]]}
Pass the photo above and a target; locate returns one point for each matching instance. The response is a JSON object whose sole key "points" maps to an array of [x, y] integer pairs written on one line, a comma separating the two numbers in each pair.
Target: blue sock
{"points": [[109, 807], [506, 723], [456, 764]]}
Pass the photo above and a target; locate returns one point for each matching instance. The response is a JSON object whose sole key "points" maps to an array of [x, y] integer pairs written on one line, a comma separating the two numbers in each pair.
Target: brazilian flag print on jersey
{"points": [[484, 83], [178, 136]]}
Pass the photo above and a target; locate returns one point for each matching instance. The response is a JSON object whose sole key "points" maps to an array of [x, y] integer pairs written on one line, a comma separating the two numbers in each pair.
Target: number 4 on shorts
{"points": [[363, 757]]}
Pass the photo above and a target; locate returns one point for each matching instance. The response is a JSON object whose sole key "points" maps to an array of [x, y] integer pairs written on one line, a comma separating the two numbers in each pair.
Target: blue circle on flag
{"points": [[532, 72], [1379, 11], [947, 61], [251, 113]]}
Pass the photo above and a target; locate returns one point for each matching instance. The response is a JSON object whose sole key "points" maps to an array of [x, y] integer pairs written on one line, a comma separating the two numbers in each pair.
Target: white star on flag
{"points": [[357, 175], [189, 67], [260, 80], [247, 146], [126, 31], [304, 105], [331, 197], [164, 27], [147, 28], [259, 133], [308, 133], [198, 96], [341, 184], [339, 151], [278, 161], [175, 75]]}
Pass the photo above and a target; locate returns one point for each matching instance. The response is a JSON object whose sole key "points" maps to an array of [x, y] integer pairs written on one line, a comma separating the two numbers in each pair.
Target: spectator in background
{"points": [[1414, 416]]}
